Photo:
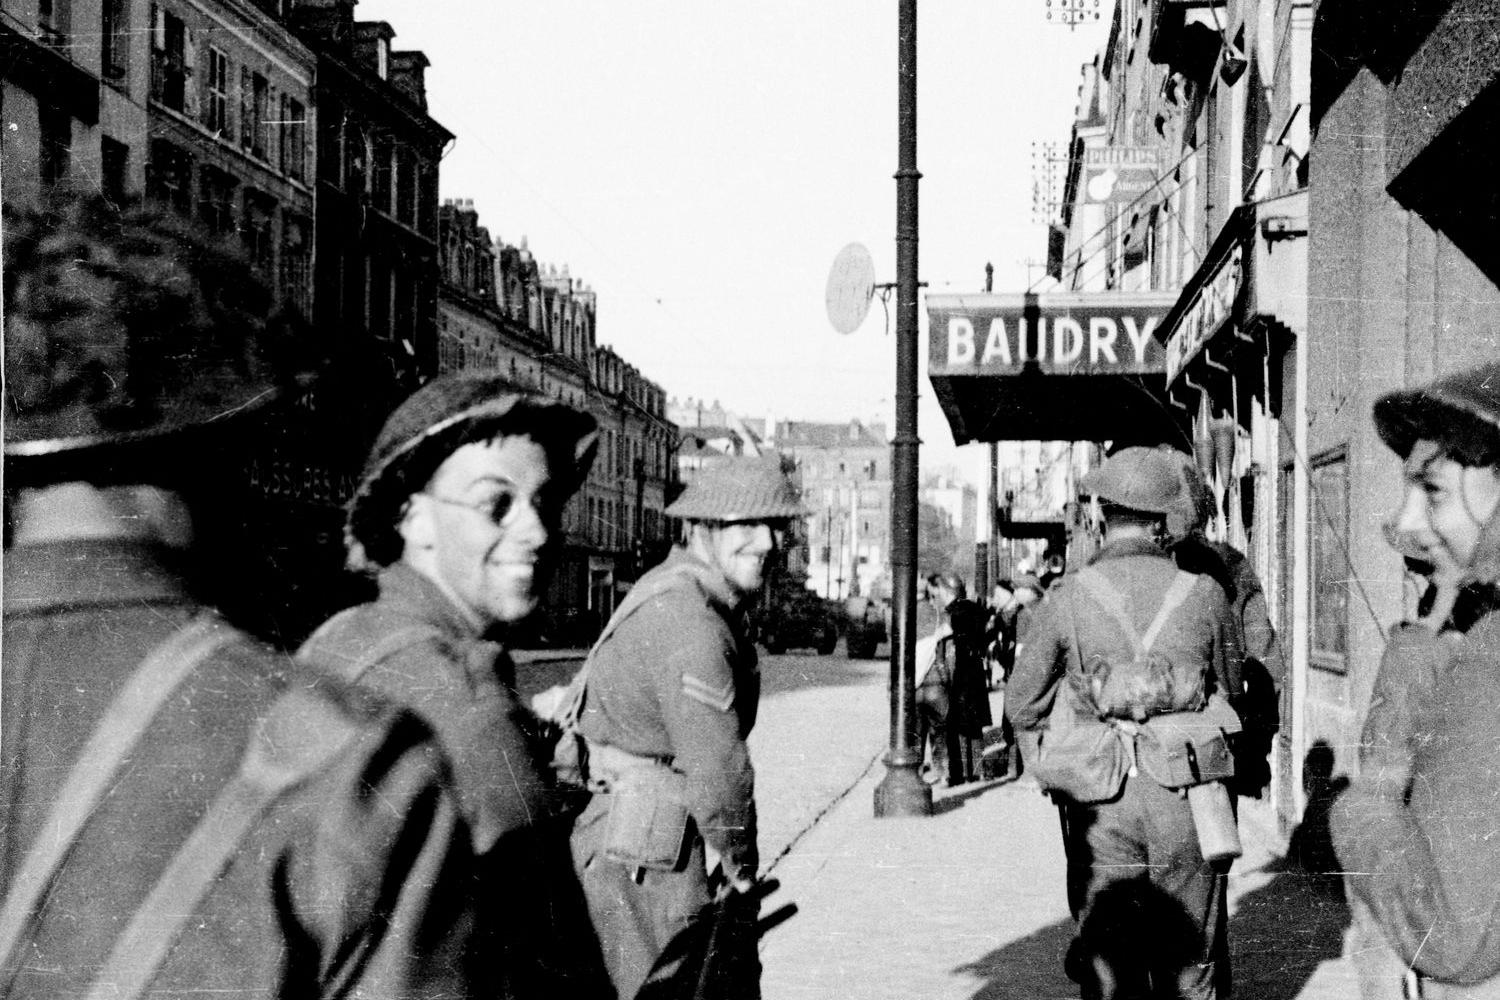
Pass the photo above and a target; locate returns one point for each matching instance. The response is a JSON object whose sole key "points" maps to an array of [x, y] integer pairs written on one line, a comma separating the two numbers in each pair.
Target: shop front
{"points": [[1235, 348]]}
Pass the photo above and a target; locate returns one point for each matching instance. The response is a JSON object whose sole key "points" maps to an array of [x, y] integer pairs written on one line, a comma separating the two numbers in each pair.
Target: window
{"points": [[258, 231], [53, 19], [169, 176], [296, 264], [253, 93], [168, 59], [406, 187], [56, 145], [216, 200], [380, 194], [293, 138], [114, 164], [216, 101], [114, 40], [1332, 574]]}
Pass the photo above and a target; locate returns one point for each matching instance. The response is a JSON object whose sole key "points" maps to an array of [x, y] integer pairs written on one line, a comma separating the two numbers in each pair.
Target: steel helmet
{"points": [[1460, 412], [436, 420], [1137, 478], [1195, 502], [127, 328], [739, 489]]}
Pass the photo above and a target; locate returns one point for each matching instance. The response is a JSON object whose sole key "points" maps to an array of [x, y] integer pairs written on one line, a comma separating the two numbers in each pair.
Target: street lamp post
{"points": [[902, 792]]}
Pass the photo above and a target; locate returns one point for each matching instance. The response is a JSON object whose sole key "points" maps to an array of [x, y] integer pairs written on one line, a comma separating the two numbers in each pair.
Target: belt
{"points": [[607, 764]]}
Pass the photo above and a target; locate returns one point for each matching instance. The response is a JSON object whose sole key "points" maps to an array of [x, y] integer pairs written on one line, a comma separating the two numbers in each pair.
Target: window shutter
{"points": [[190, 94], [246, 97]]}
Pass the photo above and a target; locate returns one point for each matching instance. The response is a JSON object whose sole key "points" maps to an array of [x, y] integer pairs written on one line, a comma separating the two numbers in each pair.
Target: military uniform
{"points": [[413, 646], [342, 886], [1146, 900], [675, 686]]}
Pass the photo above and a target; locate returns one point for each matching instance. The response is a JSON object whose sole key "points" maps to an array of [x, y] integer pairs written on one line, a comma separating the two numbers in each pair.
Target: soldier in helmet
{"points": [[458, 517], [182, 813], [669, 697], [1149, 907], [1414, 831]]}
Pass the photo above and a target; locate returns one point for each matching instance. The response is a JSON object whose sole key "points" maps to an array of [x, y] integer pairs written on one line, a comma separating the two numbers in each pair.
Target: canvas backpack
{"points": [[1143, 683]]}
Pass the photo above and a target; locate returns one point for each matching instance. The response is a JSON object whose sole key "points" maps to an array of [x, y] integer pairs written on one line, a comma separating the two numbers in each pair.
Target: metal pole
{"points": [[902, 792]]}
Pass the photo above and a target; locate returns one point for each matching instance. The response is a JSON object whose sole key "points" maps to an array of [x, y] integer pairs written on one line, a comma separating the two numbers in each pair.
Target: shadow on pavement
{"points": [[1030, 968], [967, 792], [1282, 931]]}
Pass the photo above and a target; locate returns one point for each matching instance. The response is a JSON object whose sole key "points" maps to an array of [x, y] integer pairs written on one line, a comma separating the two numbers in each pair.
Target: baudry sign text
{"points": [[1201, 320], [1066, 333]]}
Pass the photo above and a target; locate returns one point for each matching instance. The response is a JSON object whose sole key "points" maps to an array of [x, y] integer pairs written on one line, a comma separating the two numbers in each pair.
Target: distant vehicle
{"points": [[864, 627], [796, 619]]}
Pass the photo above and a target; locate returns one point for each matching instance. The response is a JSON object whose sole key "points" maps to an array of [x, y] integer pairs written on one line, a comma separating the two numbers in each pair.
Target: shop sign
{"points": [[279, 477], [1117, 175], [1064, 333], [1210, 307]]}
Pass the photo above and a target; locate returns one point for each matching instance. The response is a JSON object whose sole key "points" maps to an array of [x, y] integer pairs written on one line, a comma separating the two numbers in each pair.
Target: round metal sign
{"points": [[851, 283]]}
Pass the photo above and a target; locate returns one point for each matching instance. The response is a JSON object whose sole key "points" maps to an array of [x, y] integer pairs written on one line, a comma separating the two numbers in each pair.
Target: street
{"points": [[968, 903]]}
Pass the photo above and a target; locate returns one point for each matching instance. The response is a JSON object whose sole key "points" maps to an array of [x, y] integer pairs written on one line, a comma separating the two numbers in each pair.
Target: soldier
{"points": [[1262, 669], [1415, 830], [458, 516], [1148, 904], [181, 812], [669, 697]]}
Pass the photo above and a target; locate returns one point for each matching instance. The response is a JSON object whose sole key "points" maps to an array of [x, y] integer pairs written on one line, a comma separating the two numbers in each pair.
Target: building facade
{"points": [[501, 311]]}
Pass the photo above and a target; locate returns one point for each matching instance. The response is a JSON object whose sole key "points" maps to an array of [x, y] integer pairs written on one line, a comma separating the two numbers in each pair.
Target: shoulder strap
{"points": [[106, 751], [290, 745], [1182, 585], [1107, 596], [571, 706]]}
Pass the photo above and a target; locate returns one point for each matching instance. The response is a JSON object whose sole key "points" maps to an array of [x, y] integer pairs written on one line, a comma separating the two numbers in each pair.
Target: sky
{"points": [[700, 164]]}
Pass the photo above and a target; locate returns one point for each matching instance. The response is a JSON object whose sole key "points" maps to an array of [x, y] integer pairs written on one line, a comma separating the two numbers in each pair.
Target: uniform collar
{"points": [[1129, 547], [84, 573], [410, 591], [712, 581]]}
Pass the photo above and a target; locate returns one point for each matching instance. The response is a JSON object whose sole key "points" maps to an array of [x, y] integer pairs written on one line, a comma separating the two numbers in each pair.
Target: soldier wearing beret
{"points": [[458, 517], [669, 698], [182, 812]]}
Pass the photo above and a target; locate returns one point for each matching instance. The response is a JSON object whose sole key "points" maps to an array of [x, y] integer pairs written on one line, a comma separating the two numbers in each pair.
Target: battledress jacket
{"points": [[413, 646], [1201, 630], [1415, 832], [343, 887], [679, 681]]}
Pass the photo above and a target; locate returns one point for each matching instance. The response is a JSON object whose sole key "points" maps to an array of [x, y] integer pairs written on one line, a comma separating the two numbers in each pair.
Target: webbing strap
{"points": [[120, 729], [1105, 594], [140, 950], [571, 706]]}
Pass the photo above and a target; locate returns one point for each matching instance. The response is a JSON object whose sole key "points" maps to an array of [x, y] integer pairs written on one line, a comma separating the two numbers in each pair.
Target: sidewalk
{"points": [[968, 903]]}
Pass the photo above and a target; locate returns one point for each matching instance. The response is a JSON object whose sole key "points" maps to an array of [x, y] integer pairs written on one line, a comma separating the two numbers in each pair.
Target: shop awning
{"points": [[1065, 366], [1246, 301]]}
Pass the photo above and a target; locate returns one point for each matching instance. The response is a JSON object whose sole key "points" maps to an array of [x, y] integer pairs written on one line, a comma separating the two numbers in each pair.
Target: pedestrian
{"points": [[953, 699], [668, 699], [182, 812], [1414, 831], [1115, 649], [1263, 668], [457, 516]]}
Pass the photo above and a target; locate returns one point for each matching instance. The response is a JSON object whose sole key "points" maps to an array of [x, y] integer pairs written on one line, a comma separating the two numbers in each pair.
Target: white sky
{"points": [[699, 164]]}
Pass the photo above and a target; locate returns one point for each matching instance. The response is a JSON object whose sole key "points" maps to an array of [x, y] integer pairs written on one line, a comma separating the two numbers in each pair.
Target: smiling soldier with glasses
{"points": [[458, 517]]}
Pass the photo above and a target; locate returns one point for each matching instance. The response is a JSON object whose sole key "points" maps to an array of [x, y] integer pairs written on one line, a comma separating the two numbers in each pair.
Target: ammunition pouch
{"points": [[1182, 749], [648, 825]]}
